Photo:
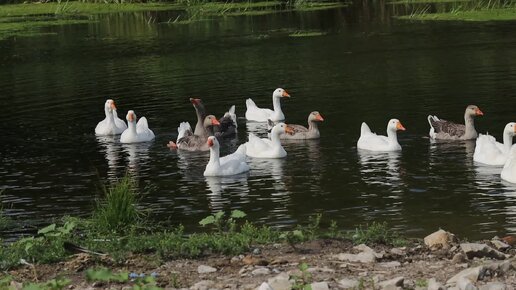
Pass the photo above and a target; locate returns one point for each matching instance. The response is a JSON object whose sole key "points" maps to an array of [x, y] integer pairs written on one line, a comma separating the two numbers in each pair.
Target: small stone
{"points": [[473, 250], [470, 273], [494, 286], [261, 271], [392, 283], [348, 283], [434, 285], [439, 239], [459, 258], [203, 285], [281, 281], [500, 245], [256, 251], [465, 284], [236, 259], [398, 251], [322, 270], [265, 286], [319, 286], [364, 257], [203, 269], [391, 264]]}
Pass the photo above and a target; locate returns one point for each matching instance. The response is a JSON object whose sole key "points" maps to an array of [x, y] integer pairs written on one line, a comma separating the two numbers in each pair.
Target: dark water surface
{"points": [[368, 67]]}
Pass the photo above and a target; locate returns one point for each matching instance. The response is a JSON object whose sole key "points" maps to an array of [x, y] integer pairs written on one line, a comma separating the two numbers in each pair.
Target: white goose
{"points": [[137, 132], [268, 148], [253, 113], [228, 165], [111, 125], [509, 169], [372, 142], [490, 152]]}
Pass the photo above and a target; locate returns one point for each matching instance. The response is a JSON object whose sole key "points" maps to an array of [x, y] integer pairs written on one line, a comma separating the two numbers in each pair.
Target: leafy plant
{"points": [[302, 282], [220, 223], [106, 275], [377, 233], [54, 284]]}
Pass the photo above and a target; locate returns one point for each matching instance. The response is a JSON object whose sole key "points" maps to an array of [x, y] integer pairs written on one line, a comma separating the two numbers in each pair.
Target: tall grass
{"points": [[118, 210]]}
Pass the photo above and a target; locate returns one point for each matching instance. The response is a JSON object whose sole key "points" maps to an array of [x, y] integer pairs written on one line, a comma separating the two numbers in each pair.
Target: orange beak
{"points": [[514, 129], [400, 127], [319, 117], [113, 107], [289, 130], [210, 142], [215, 122], [285, 94], [478, 112], [130, 117]]}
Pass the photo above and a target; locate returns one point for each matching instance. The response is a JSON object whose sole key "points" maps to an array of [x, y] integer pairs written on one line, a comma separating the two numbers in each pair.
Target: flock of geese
{"points": [[209, 131]]}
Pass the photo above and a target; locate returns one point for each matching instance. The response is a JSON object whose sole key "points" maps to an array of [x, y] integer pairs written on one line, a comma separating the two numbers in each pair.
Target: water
{"points": [[369, 67]]}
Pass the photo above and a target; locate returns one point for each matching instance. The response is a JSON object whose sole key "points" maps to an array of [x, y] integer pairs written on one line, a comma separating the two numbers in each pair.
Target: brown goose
{"points": [[446, 130], [301, 132], [228, 123], [187, 140]]}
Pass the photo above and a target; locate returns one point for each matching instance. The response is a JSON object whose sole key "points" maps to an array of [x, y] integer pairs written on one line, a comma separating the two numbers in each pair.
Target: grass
{"points": [[426, 1], [307, 33], [377, 233], [474, 10]]}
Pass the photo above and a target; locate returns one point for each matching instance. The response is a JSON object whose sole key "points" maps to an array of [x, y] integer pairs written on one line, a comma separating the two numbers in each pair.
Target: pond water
{"points": [[367, 67]]}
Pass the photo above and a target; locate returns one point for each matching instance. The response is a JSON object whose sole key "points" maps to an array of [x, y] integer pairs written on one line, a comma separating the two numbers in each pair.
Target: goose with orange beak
{"points": [[303, 133], [111, 125], [268, 148], [372, 142], [490, 152], [186, 140], [446, 130], [253, 113], [136, 132], [231, 164]]}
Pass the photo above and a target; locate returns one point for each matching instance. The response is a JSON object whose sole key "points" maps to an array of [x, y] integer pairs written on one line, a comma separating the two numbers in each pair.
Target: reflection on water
{"points": [[111, 149], [222, 188], [382, 168]]}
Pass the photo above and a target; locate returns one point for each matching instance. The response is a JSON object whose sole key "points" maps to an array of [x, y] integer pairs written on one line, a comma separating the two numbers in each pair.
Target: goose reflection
{"points": [[137, 155], [223, 188], [111, 149], [257, 128], [380, 168]]}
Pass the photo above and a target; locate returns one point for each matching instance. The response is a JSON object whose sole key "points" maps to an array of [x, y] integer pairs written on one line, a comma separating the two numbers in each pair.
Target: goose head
{"points": [[213, 142], [510, 129], [280, 93], [109, 106], [197, 103], [210, 120], [315, 116], [131, 116], [395, 125], [473, 110], [282, 128]]}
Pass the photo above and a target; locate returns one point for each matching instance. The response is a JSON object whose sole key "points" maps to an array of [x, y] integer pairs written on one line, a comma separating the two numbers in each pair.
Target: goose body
{"points": [[231, 164], [228, 123], [372, 142], [254, 113], [111, 125], [136, 132], [268, 148], [303, 133], [187, 140], [509, 169], [490, 152], [446, 130]]}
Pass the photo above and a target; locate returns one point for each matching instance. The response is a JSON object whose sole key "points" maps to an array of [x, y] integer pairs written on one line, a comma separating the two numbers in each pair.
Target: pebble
{"points": [[319, 286], [494, 286], [392, 283], [348, 283], [203, 285], [260, 271], [203, 269]]}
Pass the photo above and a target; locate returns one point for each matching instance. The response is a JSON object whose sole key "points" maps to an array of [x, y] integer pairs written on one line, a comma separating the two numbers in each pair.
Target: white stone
{"points": [[469, 273], [265, 286], [348, 283], [465, 284], [203, 269], [319, 286], [203, 285], [494, 286], [280, 282], [439, 239], [500, 245], [322, 270], [434, 285], [364, 257], [391, 264], [260, 271], [473, 250]]}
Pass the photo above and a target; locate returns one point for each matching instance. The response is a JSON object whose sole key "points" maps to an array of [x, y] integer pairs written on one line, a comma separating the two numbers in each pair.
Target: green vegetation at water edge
{"points": [[118, 227], [307, 33], [499, 14], [410, 2]]}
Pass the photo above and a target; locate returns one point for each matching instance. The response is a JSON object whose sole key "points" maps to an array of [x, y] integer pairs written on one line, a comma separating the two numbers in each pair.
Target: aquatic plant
{"points": [[377, 233], [118, 210], [474, 10]]}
